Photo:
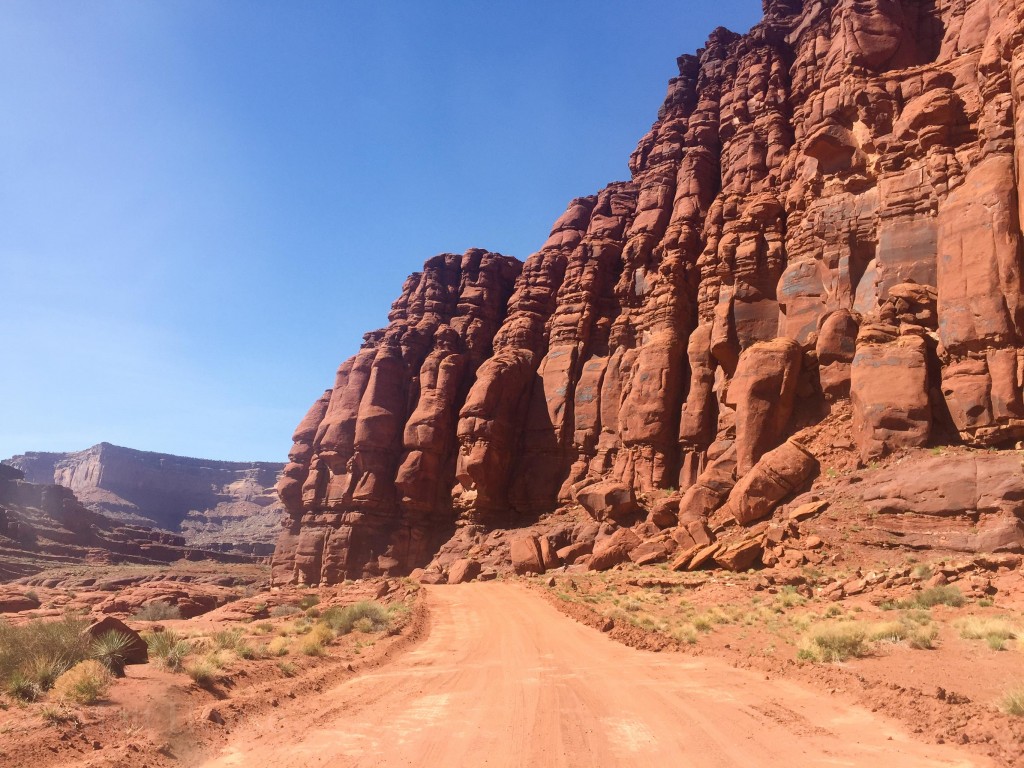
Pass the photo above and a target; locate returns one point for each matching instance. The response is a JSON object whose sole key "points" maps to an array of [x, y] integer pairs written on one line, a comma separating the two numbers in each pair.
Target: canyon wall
{"points": [[827, 209], [216, 505]]}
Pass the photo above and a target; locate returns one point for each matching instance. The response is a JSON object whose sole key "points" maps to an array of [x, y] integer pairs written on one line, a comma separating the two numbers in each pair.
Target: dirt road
{"points": [[503, 679]]}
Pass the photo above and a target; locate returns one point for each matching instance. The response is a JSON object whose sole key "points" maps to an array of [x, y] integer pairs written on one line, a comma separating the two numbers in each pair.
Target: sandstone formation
{"points": [[46, 525], [827, 208], [216, 505]]}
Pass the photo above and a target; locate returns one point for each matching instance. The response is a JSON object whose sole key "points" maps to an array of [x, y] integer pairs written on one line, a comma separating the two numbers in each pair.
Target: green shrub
{"points": [[834, 642], [343, 619], [947, 595], [308, 601], [34, 654], [158, 610], [226, 640], [283, 610], [85, 683], [111, 649], [169, 648], [287, 668]]}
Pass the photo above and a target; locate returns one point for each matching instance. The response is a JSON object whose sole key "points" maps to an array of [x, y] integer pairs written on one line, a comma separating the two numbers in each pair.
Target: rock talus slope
{"points": [[827, 209]]}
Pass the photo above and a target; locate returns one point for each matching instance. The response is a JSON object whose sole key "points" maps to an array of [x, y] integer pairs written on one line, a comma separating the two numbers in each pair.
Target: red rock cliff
{"points": [[826, 208]]}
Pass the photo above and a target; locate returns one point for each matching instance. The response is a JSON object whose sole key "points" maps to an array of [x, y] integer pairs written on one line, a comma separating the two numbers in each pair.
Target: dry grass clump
{"points": [[313, 643], [278, 646], [204, 672], [158, 610], [343, 620], [226, 639], [922, 637], [834, 642], [995, 632], [169, 647], [85, 683], [34, 655], [1013, 702]]}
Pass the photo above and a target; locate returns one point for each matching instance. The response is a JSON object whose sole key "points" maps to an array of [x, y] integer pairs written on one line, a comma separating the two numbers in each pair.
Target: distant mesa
{"points": [[222, 506]]}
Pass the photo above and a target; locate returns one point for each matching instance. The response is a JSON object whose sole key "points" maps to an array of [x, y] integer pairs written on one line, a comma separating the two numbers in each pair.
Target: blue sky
{"points": [[204, 205]]}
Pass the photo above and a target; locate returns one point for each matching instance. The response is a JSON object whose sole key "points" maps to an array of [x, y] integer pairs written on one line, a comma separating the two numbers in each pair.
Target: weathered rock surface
{"points": [[46, 525], [215, 505], [827, 207]]}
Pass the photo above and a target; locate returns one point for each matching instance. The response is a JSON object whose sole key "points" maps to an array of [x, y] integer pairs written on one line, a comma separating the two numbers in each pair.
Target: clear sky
{"points": [[204, 205]]}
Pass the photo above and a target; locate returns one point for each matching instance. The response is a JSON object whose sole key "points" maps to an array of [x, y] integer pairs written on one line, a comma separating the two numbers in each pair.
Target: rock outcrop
{"points": [[46, 525], [216, 505], [827, 207]]}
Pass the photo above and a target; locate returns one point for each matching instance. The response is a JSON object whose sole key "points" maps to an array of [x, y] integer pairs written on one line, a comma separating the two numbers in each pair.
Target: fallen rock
{"points": [[779, 473], [463, 570], [739, 556], [526, 556], [613, 550], [608, 500]]}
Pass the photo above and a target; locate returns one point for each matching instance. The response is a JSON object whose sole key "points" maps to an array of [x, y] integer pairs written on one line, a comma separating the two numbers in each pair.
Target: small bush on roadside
{"points": [[947, 595], [203, 672], [287, 668], [169, 647], [58, 714], [226, 639], [247, 652], [158, 610], [263, 628], [922, 637], [308, 601], [283, 610], [85, 683], [834, 642], [995, 632], [343, 619], [889, 631]]}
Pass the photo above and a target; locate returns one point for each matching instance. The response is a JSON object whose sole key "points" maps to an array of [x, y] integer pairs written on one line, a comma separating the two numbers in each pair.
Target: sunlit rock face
{"points": [[826, 208]]}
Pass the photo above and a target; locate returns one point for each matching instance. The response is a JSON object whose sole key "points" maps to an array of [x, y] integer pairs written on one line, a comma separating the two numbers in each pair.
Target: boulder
{"points": [[608, 500], [778, 474], [463, 570], [526, 555], [613, 550]]}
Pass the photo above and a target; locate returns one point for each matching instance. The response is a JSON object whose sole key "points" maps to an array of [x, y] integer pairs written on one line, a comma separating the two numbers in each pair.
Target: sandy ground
{"points": [[504, 679]]}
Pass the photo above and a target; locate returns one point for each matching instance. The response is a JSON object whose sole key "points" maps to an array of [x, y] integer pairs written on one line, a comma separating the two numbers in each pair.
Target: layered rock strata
{"points": [[216, 505], [826, 208], [46, 525]]}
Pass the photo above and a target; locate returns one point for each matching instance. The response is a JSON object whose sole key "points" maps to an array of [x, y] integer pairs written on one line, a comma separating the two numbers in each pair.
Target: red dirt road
{"points": [[503, 679]]}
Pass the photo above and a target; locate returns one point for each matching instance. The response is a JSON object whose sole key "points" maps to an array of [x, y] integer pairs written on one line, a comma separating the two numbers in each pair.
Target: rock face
{"points": [[46, 525], [826, 208], [216, 505]]}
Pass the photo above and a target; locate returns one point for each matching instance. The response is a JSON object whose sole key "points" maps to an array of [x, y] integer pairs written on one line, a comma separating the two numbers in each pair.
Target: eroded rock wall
{"points": [[826, 208]]}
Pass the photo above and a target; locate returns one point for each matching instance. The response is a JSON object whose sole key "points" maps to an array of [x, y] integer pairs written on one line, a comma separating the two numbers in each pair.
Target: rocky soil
{"points": [[254, 641]]}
